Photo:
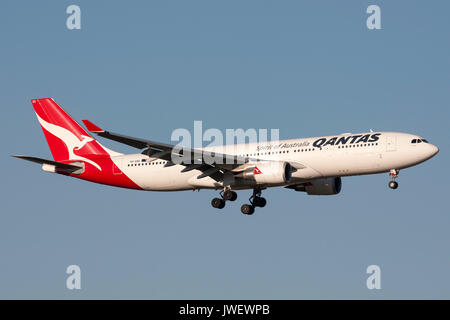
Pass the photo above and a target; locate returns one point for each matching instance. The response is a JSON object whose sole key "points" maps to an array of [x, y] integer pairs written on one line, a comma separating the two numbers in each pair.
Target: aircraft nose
{"points": [[434, 150], [428, 151]]}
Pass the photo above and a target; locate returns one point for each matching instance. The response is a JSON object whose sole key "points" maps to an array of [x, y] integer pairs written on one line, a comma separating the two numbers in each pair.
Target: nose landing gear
{"points": [[394, 174]]}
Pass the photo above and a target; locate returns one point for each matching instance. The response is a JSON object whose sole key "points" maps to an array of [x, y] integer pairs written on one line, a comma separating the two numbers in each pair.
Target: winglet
{"points": [[92, 127]]}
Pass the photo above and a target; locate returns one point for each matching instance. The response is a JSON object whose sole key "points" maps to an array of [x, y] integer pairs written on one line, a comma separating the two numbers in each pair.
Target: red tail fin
{"points": [[66, 138]]}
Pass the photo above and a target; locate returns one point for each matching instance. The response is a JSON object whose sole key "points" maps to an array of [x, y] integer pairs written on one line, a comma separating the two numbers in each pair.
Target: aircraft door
{"points": [[391, 143]]}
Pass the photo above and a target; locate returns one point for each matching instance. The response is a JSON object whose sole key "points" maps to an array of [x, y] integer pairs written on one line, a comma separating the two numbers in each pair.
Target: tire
{"points": [[259, 202], [229, 195], [393, 185], [247, 209], [218, 203]]}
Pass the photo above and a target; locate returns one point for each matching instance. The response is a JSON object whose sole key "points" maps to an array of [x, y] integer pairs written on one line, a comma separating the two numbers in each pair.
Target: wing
{"points": [[212, 164], [165, 151]]}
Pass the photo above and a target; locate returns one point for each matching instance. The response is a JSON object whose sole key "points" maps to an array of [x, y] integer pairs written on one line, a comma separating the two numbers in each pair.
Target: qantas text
{"points": [[322, 142]]}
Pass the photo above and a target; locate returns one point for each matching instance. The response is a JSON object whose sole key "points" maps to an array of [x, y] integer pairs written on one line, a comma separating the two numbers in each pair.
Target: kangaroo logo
{"points": [[70, 140]]}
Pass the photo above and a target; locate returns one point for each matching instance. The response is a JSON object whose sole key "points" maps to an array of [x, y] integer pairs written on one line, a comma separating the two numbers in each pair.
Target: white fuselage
{"points": [[319, 157]]}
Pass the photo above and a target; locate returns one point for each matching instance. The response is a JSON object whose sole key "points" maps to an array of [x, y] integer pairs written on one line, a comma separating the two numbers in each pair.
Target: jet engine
{"points": [[324, 186], [268, 173]]}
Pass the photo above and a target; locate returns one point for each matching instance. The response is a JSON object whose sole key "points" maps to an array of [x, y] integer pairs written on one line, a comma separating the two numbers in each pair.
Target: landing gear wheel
{"points": [[218, 203], [229, 195], [247, 209], [259, 202], [393, 184], [255, 201], [394, 174]]}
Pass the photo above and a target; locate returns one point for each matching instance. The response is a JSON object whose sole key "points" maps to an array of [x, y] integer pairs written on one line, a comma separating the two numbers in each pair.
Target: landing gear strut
{"points": [[255, 201], [394, 174], [225, 195]]}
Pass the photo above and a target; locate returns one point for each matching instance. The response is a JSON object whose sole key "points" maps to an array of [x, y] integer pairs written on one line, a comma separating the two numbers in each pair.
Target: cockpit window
{"points": [[419, 141]]}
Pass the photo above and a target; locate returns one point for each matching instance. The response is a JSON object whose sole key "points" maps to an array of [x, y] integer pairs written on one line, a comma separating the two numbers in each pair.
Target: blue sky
{"points": [[145, 68]]}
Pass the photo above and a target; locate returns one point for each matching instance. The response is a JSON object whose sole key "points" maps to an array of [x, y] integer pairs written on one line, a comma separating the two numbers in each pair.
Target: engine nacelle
{"points": [[324, 186], [268, 173]]}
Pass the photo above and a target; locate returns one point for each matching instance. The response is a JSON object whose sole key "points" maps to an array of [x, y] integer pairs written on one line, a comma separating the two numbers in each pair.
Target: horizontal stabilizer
{"points": [[58, 166]]}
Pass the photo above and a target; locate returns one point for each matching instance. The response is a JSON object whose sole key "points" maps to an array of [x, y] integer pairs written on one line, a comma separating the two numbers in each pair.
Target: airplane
{"points": [[312, 165]]}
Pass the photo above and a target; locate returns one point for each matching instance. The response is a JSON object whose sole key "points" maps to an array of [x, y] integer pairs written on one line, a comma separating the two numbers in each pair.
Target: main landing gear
{"points": [[226, 195], [255, 201], [394, 174]]}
